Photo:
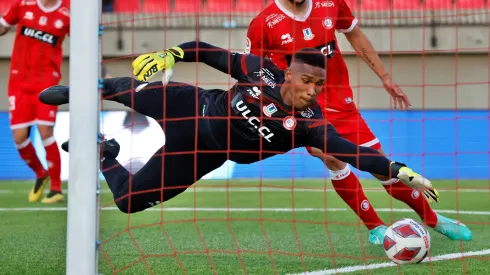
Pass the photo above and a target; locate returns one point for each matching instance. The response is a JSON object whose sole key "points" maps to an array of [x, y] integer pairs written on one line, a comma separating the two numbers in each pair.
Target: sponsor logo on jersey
{"points": [[308, 113], [29, 15], [269, 109], [267, 76], [348, 100], [289, 123], [308, 35], [40, 35], [254, 92], [286, 39], [273, 19], [329, 49], [324, 4], [253, 121], [327, 23]]}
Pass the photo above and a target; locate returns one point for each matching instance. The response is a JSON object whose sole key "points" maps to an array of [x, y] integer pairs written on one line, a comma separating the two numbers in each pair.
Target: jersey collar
{"points": [[294, 17], [53, 8]]}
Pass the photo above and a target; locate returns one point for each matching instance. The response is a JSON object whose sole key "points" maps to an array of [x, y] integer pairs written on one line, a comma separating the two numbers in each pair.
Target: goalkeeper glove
{"points": [[418, 182], [147, 65]]}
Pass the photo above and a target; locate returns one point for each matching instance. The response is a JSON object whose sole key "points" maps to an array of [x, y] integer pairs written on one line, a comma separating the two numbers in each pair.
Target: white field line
{"points": [[263, 189], [211, 209], [354, 268]]}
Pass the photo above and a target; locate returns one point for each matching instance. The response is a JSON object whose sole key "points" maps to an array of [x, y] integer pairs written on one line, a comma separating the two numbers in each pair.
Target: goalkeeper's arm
{"points": [[234, 64]]}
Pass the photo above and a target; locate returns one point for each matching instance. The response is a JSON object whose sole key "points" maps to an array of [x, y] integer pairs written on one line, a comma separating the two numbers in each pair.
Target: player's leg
{"points": [[348, 187], [150, 99], [22, 117], [163, 177], [46, 118], [361, 134]]}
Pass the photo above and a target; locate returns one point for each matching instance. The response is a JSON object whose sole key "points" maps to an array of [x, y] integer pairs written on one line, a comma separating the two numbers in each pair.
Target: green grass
{"points": [[204, 237]]}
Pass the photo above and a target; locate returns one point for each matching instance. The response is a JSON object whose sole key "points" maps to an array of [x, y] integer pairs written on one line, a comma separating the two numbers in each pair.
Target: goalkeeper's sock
{"points": [[28, 154], [54, 163], [116, 176], [347, 185], [412, 198]]}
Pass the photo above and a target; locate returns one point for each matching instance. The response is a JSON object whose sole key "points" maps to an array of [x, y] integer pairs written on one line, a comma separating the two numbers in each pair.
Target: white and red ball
{"points": [[406, 241]]}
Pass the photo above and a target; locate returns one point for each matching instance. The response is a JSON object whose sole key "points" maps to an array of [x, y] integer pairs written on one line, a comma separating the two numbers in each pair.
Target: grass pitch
{"points": [[243, 227]]}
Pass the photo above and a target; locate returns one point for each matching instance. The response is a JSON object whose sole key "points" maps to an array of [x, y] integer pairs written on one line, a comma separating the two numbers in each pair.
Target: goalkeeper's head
{"points": [[305, 77]]}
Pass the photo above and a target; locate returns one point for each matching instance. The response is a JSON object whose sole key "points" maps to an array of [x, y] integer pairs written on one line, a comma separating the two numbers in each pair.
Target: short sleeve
{"points": [[12, 16], [345, 19], [256, 42]]}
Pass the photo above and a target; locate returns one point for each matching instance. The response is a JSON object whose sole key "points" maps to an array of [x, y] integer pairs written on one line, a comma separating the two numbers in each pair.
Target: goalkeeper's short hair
{"points": [[310, 56]]}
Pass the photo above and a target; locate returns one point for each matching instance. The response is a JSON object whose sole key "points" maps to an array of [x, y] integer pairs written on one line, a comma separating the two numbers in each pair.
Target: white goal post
{"points": [[83, 182]]}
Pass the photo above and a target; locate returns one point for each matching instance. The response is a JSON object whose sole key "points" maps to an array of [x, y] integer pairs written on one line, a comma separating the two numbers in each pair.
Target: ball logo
{"points": [[365, 205], [289, 123], [327, 23], [415, 194]]}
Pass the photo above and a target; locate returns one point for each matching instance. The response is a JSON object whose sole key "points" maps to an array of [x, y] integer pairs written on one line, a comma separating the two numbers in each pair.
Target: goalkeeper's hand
{"points": [[418, 182], [146, 66]]}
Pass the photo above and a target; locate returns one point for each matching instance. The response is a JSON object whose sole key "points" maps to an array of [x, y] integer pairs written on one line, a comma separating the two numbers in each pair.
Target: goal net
{"points": [[281, 215]]}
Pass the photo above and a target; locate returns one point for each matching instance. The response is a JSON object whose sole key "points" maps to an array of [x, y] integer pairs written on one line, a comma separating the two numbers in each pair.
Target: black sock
{"points": [[116, 176]]}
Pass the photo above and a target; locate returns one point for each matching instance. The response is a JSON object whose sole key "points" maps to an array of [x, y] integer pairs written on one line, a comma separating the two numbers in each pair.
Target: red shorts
{"points": [[25, 109], [352, 127]]}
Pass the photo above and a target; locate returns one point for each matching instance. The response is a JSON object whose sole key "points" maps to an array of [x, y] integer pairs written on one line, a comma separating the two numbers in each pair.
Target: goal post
{"points": [[82, 227]]}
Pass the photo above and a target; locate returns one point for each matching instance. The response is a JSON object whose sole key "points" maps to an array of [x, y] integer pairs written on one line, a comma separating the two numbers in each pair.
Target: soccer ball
{"points": [[406, 241]]}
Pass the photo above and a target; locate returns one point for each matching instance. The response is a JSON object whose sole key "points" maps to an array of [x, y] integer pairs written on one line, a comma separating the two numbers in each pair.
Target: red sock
{"points": [[28, 154], [412, 198], [54, 163], [349, 188]]}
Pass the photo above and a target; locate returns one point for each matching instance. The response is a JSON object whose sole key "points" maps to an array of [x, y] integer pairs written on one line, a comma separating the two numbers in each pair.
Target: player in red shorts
{"points": [[288, 25], [42, 25]]}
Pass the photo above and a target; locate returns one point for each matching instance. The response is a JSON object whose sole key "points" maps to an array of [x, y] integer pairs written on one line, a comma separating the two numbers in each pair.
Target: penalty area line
{"points": [[354, 268], [223, 209]]}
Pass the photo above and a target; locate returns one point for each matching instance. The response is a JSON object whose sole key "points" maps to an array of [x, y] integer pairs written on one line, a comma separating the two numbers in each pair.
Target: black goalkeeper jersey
{"points": [[251, 121]]}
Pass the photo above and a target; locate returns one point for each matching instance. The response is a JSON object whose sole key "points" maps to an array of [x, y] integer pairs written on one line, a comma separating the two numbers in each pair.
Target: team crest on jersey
{"points": [[43, 20], [348, 100], [269, 109], [289, 123], [327, 23], [308, 35]]}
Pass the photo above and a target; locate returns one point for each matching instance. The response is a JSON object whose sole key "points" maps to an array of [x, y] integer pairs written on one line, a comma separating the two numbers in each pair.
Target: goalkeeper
{"points": [[267, 112]]}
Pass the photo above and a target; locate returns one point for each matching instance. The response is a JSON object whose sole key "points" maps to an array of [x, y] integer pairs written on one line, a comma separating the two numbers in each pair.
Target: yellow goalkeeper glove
{"points": [[146, 66], [418, 182]]}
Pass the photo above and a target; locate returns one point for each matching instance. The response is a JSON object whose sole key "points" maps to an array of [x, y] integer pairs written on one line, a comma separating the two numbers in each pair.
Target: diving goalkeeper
{"points": [[267, 112]]}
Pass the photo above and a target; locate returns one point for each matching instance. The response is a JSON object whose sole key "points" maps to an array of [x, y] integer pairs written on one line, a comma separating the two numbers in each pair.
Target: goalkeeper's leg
{"points": [[169, 172], [172, 101], [161, 178]]}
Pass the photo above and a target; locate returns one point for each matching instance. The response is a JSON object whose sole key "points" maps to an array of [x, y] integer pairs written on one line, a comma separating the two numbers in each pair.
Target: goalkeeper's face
{"points": [[304, 83]]}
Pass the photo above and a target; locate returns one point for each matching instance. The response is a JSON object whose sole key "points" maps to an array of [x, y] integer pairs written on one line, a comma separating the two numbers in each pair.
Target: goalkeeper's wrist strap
{"points": [[176, 52]]}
